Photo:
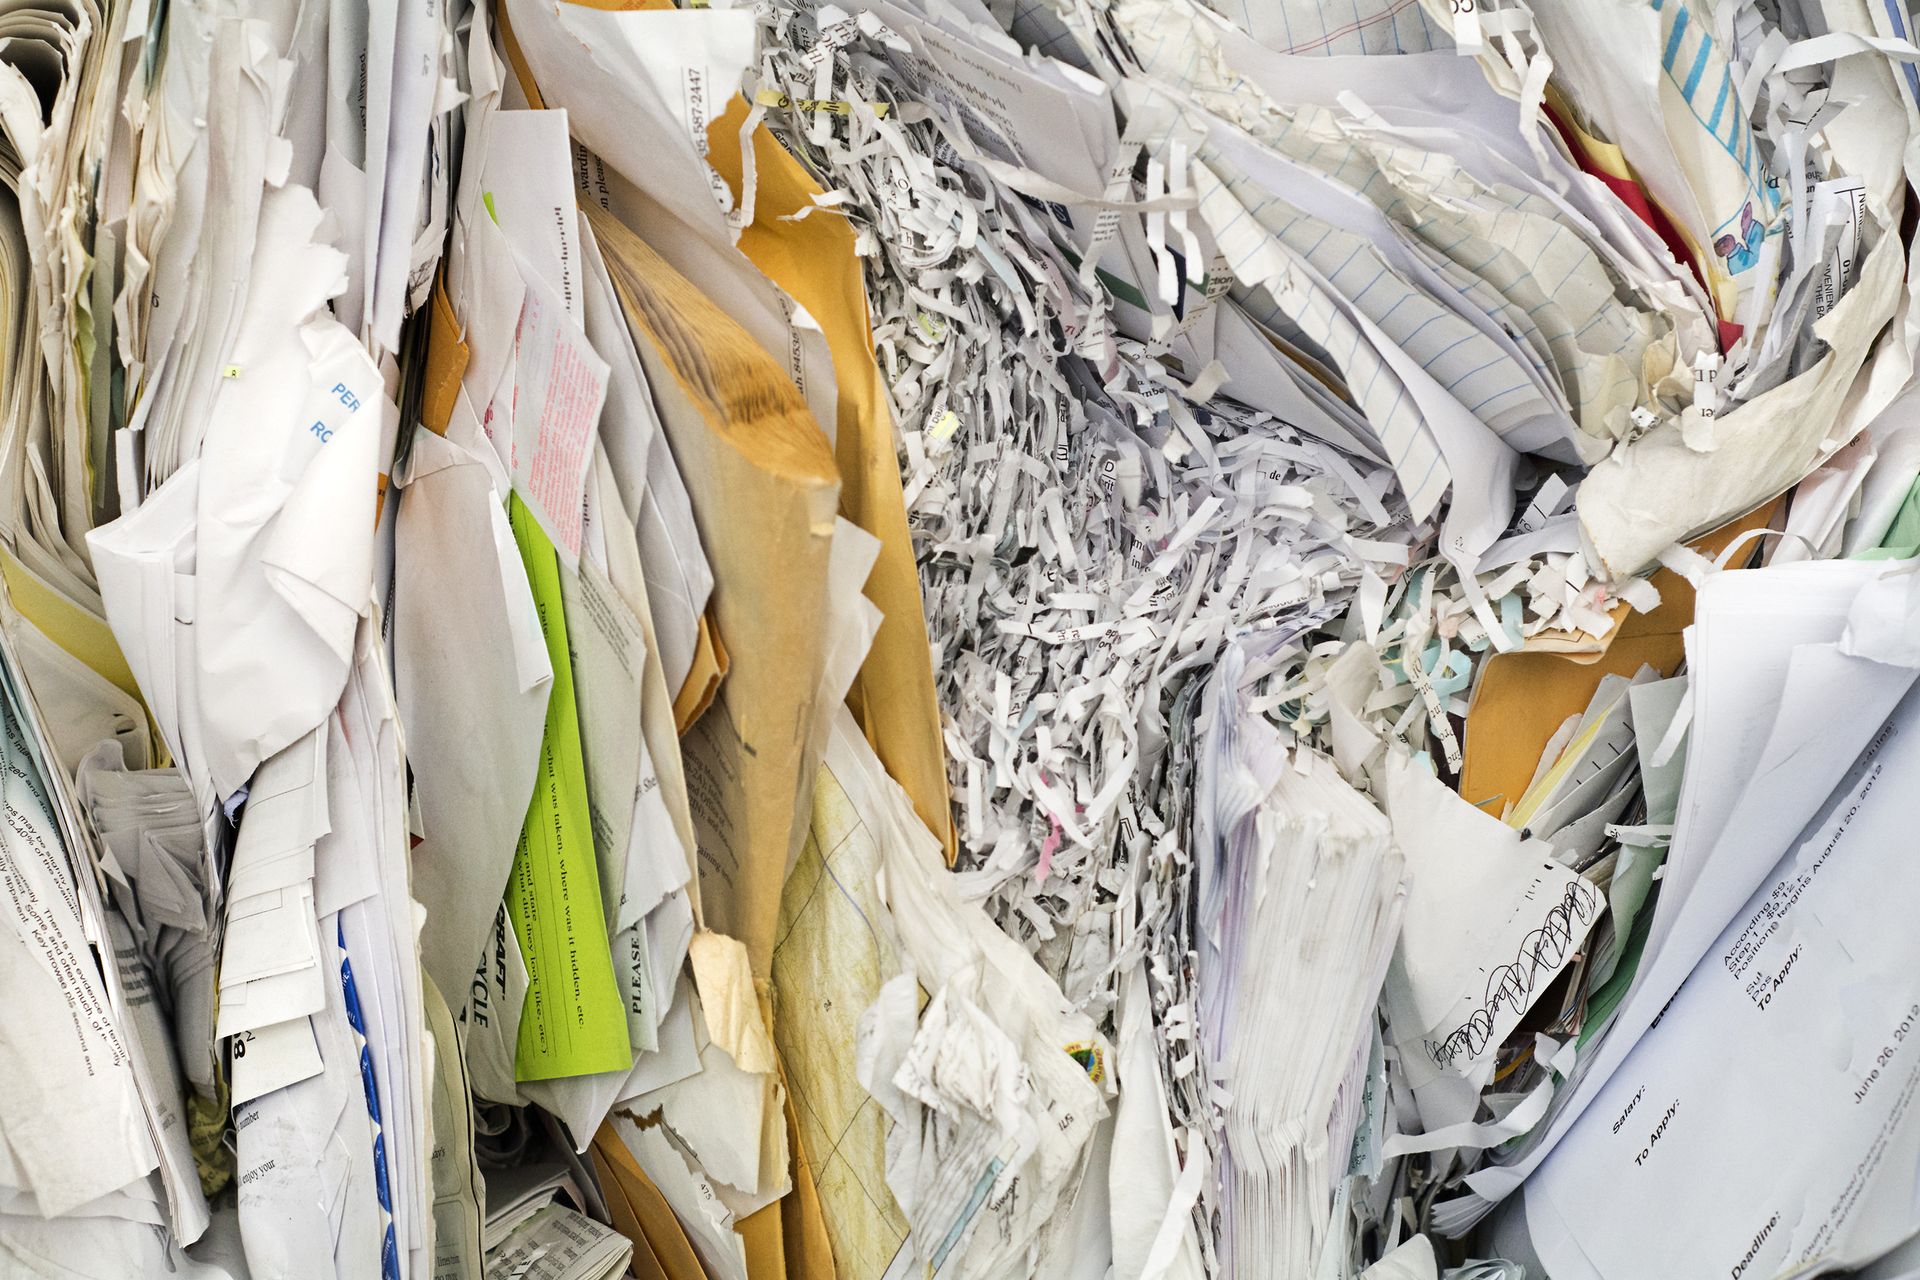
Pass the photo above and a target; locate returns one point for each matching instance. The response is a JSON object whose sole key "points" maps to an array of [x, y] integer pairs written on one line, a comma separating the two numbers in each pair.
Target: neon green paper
{"points": [[574, 1022]]}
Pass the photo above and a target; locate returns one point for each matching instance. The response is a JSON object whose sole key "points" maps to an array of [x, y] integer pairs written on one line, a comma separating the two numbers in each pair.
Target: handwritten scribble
{"points": [[1542, 952]]}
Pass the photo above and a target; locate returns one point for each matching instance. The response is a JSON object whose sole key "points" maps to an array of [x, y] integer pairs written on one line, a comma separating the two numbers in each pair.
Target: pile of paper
{"points": [[963, 638]]}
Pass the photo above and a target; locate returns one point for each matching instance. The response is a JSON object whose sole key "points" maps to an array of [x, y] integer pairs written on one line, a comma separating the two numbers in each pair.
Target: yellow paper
{"points": [[829, 966], [574, 1022], [724, 977], [1574, 752], [1612, 161], [84, 635]]}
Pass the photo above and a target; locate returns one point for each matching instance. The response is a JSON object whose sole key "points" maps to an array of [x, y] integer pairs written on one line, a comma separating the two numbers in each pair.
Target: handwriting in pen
{"points": [[1541, 953]]}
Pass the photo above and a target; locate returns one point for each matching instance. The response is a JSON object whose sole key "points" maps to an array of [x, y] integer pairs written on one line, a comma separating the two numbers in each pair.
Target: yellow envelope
{"points": [[644, 1265], [1521, 698], [641, 1213], [764, 492], [765, 1241], [787, 1240], [447, 357], [702, 684], [813, 260]]}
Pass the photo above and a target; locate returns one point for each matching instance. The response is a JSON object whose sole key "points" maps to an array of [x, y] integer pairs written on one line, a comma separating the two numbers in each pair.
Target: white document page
{"points": [[1765, 1123]]}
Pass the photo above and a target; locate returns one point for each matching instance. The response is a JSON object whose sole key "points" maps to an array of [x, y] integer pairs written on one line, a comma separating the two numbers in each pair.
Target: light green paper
{"points": [[1902, 540], [574, 1022]]}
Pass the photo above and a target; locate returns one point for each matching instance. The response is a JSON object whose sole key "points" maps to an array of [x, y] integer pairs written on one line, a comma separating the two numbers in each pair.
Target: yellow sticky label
{"points": [[945, 425], [832, 106]]}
